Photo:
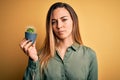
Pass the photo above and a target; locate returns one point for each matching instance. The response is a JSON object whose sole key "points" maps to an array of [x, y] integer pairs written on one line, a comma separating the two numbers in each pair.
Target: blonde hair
{"points": [[48, 48]]}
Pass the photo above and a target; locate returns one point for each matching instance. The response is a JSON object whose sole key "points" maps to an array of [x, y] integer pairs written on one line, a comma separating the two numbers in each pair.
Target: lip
{"points": [[61, 32]]}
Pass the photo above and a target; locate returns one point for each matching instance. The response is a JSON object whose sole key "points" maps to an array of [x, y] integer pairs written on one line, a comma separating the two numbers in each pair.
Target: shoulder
{"points": [[84, 50], [87, 51]]}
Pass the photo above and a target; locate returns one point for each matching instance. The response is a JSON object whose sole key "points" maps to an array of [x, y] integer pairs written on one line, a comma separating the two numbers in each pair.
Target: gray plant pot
{"points": [[30, 36]]}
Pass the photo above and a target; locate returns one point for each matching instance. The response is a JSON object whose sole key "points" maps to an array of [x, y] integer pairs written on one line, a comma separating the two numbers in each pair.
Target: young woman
{"points": [[63, 55]]}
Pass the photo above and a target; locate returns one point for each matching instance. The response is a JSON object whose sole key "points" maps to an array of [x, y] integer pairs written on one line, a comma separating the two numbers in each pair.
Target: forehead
{"points": [[60, 12]]}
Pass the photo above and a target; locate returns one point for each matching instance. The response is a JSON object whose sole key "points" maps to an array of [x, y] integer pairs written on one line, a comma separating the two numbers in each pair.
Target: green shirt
{"points": [[79, 63]]}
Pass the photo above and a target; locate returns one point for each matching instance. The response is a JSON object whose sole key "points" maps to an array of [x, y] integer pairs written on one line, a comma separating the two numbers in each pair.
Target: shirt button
{"points": [[68, 50]]}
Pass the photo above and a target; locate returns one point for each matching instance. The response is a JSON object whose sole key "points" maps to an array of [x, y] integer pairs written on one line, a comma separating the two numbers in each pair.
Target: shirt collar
{"points": [[75, 46]]}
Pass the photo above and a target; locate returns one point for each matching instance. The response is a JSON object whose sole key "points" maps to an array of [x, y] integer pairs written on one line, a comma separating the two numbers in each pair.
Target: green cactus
{"points": [[31, 30]]}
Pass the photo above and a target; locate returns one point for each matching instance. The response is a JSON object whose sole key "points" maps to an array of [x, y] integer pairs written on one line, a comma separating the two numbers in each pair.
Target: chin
{"points": [[62, 37]]}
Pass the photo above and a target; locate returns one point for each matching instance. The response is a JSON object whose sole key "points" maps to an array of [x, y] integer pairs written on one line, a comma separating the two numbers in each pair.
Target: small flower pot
{"points": [[30, 36]]}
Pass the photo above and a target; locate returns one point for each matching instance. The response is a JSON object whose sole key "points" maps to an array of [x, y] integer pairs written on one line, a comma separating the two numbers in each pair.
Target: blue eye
{"points": [[53, 23], [64, 20]]}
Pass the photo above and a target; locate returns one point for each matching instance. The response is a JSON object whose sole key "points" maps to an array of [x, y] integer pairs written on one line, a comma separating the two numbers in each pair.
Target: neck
{"points": [[64, 44]]}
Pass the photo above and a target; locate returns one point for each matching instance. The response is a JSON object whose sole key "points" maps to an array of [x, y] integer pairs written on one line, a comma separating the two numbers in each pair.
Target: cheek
{"points": [[70, 29], [54, 29], [69, 26]]}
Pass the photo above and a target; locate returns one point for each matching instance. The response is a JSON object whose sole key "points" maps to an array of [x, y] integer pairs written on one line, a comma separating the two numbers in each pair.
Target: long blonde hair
{"points": [[48, 48]]}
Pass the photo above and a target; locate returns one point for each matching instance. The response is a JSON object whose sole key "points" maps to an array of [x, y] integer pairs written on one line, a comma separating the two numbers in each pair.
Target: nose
{"points": [[59, 24]]}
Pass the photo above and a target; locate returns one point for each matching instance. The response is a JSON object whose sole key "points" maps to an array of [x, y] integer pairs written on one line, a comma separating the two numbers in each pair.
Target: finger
{"points": [[23, 43], [27, 46], [34, 44], [29, 49]]}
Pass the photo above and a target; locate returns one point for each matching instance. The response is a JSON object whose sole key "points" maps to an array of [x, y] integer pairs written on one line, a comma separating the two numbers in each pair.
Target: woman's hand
{"points": [[29, 49]]}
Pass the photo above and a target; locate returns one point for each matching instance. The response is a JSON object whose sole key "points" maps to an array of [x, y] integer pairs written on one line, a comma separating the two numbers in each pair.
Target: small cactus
{"points": [[30, 33], [30, 29]]}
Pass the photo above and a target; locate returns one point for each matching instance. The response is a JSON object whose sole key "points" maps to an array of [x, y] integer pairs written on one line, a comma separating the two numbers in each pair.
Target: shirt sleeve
{"points": [[32, 71], [93, 68]]}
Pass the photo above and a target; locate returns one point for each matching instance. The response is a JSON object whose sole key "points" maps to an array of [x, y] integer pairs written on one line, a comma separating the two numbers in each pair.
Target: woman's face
{"points": [[62, 23]]}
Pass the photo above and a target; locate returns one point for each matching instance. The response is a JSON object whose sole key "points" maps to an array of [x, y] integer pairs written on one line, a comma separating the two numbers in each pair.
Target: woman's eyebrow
{"points": [[60, 17], [63, 17]]}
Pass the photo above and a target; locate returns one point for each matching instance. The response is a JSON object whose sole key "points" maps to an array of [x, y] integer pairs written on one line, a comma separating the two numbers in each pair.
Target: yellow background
{"points": [[99, 25]]}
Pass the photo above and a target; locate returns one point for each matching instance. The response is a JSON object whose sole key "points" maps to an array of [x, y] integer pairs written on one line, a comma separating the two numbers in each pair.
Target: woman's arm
{"points": [[32, 71]]}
